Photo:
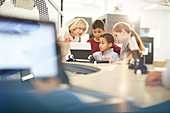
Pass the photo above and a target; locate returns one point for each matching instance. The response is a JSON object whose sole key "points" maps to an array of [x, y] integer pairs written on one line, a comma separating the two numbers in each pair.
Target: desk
{"points": [[118, 80]]}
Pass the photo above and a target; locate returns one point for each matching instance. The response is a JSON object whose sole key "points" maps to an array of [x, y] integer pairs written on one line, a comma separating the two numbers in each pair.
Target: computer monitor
{"points": [[29, 44]]}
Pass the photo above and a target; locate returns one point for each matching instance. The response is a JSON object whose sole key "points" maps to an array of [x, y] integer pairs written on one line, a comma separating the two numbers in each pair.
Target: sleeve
{"points": [[114, 57], [95, 55], [127, 42], [65, 47], [116, 48], [166, 77], [62, 32]]}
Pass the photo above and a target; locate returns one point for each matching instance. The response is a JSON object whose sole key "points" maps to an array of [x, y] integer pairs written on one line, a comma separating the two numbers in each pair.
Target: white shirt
{"points": [[125, 51], [110, 53], [65, 47]]}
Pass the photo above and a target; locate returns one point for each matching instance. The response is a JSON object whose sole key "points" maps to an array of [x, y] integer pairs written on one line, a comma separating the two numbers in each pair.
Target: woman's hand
{"points": [[68, 39]]}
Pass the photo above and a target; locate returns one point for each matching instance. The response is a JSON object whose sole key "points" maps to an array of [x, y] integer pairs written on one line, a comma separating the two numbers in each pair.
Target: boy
{"points": [[106, 53], [98, 29]]}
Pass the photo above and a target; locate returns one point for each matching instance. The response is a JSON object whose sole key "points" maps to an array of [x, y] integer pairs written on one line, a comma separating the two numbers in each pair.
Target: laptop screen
{"points": [[80, 50], [28, 44]]}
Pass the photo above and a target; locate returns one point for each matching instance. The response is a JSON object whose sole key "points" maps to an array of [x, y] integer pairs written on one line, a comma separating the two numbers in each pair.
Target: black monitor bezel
{"points": [[61, 75]]}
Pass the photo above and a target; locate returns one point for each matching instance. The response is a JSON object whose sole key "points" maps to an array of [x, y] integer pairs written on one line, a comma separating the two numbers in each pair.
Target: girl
{"points": [[122, 33], [76, 29]]}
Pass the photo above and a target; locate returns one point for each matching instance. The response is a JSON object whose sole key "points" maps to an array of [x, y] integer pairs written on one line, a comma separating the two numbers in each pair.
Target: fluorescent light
{"points": [[151, 6]]}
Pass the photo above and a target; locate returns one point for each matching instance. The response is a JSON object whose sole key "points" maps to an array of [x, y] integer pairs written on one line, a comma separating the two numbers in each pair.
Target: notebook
{"points": [[28, 45]]}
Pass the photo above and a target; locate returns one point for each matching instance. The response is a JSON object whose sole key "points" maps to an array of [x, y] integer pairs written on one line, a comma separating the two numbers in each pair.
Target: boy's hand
{"points": [[68, 39], [106, 58]]}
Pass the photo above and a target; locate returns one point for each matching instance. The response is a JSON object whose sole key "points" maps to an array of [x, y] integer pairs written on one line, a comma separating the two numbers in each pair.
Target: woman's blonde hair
{"points": [[121, 25], [78, 23]]}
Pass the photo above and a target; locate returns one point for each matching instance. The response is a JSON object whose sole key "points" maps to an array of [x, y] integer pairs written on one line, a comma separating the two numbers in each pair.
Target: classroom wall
{"points": [[168, 35], [77, 10], [158, 20]]}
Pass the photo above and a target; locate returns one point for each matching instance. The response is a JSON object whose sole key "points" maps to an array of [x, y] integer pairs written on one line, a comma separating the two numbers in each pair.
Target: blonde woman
{"points": [[72, 33], [122, 33]]}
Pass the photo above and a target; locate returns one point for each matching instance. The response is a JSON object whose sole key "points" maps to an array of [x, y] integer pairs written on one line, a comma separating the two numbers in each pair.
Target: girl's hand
{"points": [[68, 39], [120, 61]]}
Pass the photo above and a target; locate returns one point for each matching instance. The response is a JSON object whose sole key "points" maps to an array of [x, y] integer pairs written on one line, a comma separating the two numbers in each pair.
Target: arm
{"points": [[159, 78], [130, 56], [95, 55], [154, 78], [106, 58], [166, 77], [112, 58], [63, 35]]}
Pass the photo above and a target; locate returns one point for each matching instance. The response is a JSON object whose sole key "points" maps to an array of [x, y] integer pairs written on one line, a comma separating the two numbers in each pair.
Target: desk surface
{"points": [[118, 80]]}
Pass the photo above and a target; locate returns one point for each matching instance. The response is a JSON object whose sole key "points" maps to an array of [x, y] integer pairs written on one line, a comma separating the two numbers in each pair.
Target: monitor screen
{"points": [[28, 44]]}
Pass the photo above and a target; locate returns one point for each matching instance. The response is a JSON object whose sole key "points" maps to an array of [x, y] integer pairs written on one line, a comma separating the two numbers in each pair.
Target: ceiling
{"points": [[124, 4]]}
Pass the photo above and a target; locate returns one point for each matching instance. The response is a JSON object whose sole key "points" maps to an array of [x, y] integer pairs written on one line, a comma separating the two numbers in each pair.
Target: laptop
{"points": [[28, 47], [80, 51]]}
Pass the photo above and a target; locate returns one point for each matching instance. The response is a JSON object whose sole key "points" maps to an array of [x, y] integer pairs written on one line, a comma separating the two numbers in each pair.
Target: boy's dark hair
{"points": [[98, 24], [109, 37]]}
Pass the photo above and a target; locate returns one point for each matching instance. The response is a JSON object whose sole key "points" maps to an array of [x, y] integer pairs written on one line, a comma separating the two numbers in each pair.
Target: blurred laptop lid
{"points": [[29, 44]]}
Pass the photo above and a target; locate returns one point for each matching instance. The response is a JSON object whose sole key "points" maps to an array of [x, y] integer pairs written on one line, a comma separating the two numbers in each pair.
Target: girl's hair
{"points": [[78, 23], [121, 25]]}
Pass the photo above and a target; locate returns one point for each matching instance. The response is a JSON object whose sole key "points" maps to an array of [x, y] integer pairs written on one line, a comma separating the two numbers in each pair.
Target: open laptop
{"points": [[80, 51], [28, 47]]}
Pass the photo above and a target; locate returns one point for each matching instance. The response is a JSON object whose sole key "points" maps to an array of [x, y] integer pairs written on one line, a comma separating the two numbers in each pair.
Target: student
{"points": [[159, 78], [76, 29], [106, 53], [122, 33], [98, 29]]}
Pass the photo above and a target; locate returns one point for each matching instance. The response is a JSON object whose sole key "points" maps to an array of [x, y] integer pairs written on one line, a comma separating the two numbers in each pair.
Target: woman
{"points": [[76, 29]]}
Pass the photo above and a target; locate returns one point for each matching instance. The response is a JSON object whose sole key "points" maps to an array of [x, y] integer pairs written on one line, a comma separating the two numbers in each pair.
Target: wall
{"points": [[158, 20], [168, 35], [72, 10]]}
